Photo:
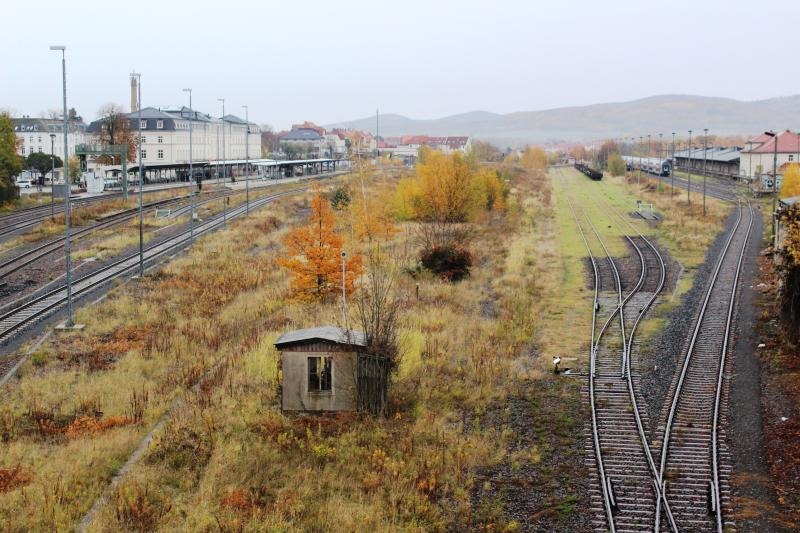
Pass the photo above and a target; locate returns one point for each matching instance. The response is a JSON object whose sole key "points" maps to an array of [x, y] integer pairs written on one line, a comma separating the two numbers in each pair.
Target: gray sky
{"points": [[338, 60]]}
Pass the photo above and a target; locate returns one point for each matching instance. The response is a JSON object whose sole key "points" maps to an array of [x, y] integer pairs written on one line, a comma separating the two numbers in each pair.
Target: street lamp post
{"points": [[247, 160], [689, 173], [672, 167], [138, 77], [774, 181], [648, 154], [52, 175], [639, 179], [660, 157], [224, 169], [67, 245], [191, 169], [705, 162]]}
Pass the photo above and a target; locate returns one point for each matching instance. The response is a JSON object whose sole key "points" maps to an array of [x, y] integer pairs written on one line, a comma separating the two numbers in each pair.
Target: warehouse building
{"points": [[715, 160]]}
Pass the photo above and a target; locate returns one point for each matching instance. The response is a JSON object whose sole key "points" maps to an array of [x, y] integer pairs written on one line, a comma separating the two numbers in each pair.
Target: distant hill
{"points": [[665, 113]]}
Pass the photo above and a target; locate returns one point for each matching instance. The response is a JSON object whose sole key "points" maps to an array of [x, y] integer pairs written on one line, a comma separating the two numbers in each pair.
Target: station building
{"points": [[757, 158], [34, 135], [165, 136]]}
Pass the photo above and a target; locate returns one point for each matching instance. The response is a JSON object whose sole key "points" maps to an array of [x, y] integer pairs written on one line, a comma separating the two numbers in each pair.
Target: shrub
{"points": [[450, 262]]}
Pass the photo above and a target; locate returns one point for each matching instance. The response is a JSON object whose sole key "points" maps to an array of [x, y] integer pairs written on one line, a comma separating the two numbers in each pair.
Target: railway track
{"points": [[26, 218], [714, 188], [694, 459], [625, 485], [25, 314], [19, 261], [690, 487]]}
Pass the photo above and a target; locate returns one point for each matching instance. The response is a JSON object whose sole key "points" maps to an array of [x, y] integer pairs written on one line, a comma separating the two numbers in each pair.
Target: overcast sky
{"points": [[336, 60]]}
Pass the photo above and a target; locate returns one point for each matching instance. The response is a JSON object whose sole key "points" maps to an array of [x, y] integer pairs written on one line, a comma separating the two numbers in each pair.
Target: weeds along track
{"points": [[13, 321], [28, 217], [695, 463], [625, 486], [21, 260]]}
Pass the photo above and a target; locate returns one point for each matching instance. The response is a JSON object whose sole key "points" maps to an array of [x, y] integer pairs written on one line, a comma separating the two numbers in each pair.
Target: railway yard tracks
{"points": [[24, 314], [674, 477], [23, 219], [18, 261]]}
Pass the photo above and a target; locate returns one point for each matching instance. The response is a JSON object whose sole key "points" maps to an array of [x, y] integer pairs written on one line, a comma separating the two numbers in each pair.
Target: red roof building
{"points": [[768, 154]]}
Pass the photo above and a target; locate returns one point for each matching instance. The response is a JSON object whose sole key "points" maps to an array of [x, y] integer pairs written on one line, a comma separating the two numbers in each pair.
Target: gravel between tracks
{"points": [[661, 356]]}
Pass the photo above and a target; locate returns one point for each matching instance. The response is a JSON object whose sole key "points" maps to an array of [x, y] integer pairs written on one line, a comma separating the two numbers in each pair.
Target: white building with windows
{"points": [[34, 136], [165, 136], [760, 154]]}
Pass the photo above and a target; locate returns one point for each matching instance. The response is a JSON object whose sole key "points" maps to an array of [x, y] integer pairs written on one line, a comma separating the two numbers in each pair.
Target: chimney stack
{"points": [[134, 98]]}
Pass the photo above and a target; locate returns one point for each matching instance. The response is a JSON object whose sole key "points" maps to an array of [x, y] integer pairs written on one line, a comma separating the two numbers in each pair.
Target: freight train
{"points": [[592, 173], [651, 165]]}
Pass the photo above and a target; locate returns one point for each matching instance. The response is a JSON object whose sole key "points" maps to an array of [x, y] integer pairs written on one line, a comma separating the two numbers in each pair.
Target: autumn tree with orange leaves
{"points": [[314, 256]]}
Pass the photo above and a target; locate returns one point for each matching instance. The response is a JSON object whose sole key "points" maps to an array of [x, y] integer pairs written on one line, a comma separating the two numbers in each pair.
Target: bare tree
{"points": [[379, 305], [115, 128]]}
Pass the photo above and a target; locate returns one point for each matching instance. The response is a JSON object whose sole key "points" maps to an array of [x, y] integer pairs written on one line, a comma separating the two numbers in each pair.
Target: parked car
{"points": [[24, 183]]}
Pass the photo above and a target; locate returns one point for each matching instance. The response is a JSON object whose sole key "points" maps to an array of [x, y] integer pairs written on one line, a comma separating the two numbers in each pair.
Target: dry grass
{"points": [[202, 330]]}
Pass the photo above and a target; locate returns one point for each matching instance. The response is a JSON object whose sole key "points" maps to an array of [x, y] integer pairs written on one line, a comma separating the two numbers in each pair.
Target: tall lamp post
{"points": [[247, 160], [639, 179], [660, 157], [52, 175], [224, 169], [648, 152], [191, 169], [705, 162], [67, 245], [689, 173], [672, 167], [138, 77]]}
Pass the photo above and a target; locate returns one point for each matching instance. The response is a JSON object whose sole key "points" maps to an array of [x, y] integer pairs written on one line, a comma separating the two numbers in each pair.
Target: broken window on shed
{"points": [[319, 374]]}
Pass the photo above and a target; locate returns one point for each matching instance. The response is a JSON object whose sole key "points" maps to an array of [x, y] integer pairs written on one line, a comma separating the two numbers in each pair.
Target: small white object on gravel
{"points": [[784, 419], [762, 345]]}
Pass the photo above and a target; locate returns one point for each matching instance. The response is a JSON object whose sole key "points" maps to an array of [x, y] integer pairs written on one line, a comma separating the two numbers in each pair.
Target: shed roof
{"points": [[333, 334], [714, 153]]}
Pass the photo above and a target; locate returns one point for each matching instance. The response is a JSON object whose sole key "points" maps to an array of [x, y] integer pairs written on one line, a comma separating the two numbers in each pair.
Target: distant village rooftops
{"points": [[301, 134]]}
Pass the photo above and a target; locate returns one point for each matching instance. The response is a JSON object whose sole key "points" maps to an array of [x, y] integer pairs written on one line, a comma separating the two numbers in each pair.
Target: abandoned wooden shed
{"points": [[327, 369]]}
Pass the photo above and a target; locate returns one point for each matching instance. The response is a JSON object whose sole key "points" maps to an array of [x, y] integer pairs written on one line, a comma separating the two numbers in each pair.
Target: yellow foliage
{"points": [[315, 256], [447, 188], [370, 215], [791, 181], [534, 158]]}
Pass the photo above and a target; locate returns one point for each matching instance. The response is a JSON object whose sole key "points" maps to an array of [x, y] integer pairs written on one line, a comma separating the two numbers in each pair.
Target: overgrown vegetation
{"points": [[192, 345]]}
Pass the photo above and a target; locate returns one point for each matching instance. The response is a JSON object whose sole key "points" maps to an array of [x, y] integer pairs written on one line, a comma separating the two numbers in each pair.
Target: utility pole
{"points": [[672, 168], [689, 184], [705, 162], [774, 182], [191, 169], [224, 168], [138, 77], [67, 189], [247, 160], [639, 179]]}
